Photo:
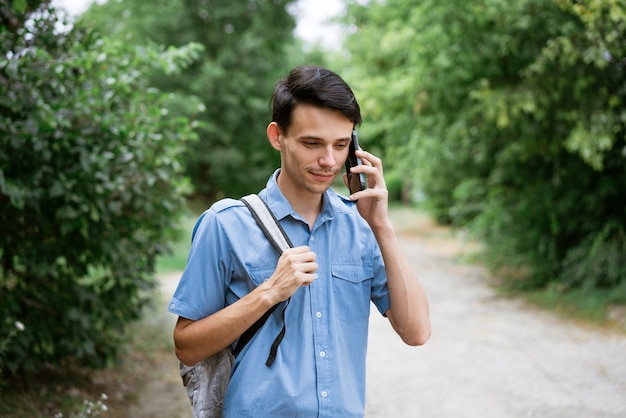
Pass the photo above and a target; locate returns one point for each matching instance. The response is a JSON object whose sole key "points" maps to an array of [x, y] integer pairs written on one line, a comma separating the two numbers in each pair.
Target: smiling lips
{"points": [[323, 176]]}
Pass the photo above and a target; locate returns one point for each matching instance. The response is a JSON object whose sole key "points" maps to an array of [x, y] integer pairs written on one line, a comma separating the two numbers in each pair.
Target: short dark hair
{"points": [[316, 86]]}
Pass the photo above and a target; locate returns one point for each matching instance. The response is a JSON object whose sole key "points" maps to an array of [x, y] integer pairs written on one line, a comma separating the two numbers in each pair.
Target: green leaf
{"points": [[19, 5]]}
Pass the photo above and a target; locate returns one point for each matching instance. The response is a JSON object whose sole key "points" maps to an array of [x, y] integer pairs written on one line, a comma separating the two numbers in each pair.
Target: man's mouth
{"points": [[323, 176]]}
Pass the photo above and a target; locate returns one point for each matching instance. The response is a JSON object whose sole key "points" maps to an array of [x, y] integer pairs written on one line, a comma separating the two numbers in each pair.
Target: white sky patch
{"points": [[314, 21]]}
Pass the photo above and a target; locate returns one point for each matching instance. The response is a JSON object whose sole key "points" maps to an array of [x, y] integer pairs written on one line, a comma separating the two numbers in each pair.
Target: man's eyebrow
{"points": [[343, 140], [317, 138]]}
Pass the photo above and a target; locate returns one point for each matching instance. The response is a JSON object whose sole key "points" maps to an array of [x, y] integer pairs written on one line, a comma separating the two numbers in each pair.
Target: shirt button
{"points": [[172, 305], [324, 394], [315, 275], [318, 314], [322, 353], [312, 238]]}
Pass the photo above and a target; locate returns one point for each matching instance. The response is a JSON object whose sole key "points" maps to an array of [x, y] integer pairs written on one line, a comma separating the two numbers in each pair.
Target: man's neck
{"points": [[307, 205]]}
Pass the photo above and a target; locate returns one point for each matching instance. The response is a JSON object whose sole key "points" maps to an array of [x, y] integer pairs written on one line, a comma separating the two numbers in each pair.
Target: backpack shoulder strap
{"points": [[267, 222]]}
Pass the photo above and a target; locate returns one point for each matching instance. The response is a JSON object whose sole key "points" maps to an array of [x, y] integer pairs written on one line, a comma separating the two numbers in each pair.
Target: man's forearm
{"points": [[409, 313], [197, 340]]}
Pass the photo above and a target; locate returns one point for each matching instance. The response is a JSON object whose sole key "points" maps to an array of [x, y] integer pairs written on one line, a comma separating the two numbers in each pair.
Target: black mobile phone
{"points": [[356, 181]]}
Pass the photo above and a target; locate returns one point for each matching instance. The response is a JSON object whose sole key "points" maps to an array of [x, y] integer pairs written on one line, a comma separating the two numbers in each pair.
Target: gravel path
{"points": [[489, 356]]}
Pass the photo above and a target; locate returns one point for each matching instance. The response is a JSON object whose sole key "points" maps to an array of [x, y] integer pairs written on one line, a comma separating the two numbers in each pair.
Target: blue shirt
{"points": [[320, 365]]}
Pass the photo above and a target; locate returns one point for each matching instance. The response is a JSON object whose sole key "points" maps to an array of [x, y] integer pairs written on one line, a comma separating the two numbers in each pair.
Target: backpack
{"points": [[206, 381]]}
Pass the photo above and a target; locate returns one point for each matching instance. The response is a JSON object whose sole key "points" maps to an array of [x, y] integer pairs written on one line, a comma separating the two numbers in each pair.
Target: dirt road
{"points": [[489, 356]]}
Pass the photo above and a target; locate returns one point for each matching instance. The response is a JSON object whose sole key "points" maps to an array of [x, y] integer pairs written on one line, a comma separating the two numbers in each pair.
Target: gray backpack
{"points": [[207, 380]]}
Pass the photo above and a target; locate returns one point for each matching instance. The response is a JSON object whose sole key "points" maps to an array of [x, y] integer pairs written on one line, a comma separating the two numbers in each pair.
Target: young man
{"points": [[346, 254]]}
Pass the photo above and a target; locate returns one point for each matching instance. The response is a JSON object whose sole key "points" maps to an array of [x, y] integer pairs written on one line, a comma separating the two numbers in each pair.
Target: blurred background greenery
{"points": [[506, 119]]}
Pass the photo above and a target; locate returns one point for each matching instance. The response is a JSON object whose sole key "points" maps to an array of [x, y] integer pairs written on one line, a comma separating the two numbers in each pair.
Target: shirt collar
{"points": [[332, 203]]}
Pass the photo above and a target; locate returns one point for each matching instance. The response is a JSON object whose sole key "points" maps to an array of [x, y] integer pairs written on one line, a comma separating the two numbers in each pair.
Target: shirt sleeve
{"points": [[380, 289], [202, 287]]}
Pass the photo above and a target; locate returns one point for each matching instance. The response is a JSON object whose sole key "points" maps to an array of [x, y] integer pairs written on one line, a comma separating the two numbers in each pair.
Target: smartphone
{"points": [[356, 181]]}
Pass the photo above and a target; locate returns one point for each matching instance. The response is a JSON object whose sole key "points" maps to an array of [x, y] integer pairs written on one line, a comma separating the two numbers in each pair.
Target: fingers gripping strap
{"points": [[268, 223]]}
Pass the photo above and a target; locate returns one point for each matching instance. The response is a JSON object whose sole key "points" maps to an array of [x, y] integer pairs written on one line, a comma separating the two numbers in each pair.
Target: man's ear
{"points": [[273, 135]]}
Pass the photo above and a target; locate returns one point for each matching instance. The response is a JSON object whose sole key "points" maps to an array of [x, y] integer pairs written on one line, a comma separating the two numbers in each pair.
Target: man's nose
{"points": [[327, 158]]}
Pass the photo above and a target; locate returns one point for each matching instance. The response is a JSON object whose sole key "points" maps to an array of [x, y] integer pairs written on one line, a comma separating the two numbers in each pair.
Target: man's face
{"points": [[313, 151]]}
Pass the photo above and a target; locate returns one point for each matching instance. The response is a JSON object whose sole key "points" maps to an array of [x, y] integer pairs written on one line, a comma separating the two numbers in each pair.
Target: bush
{"points": [[90, 190]]}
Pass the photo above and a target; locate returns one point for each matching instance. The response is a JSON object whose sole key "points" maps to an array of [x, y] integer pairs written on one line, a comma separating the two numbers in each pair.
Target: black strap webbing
{"points": [[277, 340], [247, 336]]}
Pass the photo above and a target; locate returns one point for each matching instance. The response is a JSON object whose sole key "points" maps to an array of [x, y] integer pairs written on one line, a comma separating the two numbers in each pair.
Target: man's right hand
{"points": [[296, 267]]}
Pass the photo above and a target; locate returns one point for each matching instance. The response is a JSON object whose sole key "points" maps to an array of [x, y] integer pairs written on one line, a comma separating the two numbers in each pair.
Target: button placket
{"points": [[323, 364]]}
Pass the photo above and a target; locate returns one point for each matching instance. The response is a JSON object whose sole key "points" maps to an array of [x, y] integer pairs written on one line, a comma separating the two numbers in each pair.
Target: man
{"points": [[346, 254]]}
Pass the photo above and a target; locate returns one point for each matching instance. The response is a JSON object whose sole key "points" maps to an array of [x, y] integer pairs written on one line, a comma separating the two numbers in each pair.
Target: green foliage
{"points": [[598, 261], [90, 189], [245, 53], [510, 117], [13, 13], [584, 304], [75, 391], [176, 258], [395, 187]]}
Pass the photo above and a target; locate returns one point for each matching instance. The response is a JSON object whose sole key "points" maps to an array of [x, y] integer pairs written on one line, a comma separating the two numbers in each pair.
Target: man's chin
{"points": [[318, 188]]}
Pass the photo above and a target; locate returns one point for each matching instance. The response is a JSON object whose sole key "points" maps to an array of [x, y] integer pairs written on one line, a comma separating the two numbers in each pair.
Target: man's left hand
{"points": [[372, 202]]}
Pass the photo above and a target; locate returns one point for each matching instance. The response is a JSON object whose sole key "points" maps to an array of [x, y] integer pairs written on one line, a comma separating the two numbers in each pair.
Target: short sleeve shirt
{"points": [[320, 364]]}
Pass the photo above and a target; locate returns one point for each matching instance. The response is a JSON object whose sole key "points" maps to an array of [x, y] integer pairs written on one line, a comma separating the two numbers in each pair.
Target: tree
{"points": [[510, 117], [245, 52], [90, 188]]}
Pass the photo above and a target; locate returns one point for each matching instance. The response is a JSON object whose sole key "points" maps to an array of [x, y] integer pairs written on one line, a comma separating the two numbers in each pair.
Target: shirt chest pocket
{"points": [[352, 291], [261, 274]]}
